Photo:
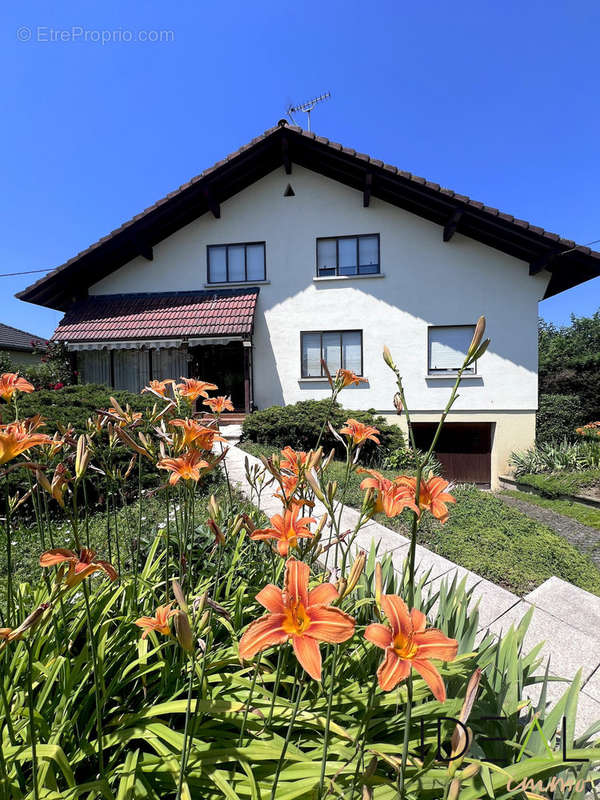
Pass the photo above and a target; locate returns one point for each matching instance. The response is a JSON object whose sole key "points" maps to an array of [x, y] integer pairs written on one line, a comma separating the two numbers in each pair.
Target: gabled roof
{"points": [[569, 263], [15, 339], [228, 312]]}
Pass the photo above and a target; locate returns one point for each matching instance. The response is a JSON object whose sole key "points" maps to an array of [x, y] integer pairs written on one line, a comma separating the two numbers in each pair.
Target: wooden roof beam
{"points": [[213, 206], [543, 262], [367, 189], [452, 224], [285, 155]]}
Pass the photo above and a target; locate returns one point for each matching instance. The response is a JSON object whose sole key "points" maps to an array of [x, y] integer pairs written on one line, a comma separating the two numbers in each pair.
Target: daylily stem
{"points": [[96, 681], [409, 701], [247, 704], [32, 733], [362, 732], [299, 693], [186, 746], [328, 719]]}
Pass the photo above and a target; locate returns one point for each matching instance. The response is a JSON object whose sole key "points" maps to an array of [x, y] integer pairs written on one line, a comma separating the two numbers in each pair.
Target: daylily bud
{"points": [[217, 532], [43, 481], [387, 357], [378, 584], [199, 604], [179, 596], [203, 621], [470, 771], [329, 458], [29, 623], [312, 481], [355, 572], [314, 458], [477, 336], [82, 459], [183, 630], [398, 403], [239, 522], [248, 524], [454, 790], [341, 586], [331, 490], [213, 507]]}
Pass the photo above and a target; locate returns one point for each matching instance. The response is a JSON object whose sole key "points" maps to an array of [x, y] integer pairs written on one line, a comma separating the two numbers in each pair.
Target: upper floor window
{"points": [[348, 255], [236, 263], [338, 349], [447, 348]]}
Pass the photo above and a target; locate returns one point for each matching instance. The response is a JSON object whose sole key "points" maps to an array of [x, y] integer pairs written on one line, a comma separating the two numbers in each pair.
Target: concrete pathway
{"points": [[584, 538], [565, 617]]}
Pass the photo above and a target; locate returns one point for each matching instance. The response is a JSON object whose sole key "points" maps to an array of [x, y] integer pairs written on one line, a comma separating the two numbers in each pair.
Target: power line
{"points": [[28, 272]]}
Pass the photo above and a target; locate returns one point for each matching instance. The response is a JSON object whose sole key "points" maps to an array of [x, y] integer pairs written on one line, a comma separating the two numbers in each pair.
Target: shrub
{"points": [[558, 484], [6, 363], [403, 460], [72, 405], [299, 425], [557, 417]]}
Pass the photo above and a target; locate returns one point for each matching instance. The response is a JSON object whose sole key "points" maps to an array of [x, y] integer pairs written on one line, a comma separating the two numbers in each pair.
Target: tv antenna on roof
{"points": [[307, 107]]}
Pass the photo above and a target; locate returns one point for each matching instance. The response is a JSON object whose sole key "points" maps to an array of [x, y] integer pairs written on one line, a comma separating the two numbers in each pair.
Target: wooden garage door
{"points": [[464, 449]]}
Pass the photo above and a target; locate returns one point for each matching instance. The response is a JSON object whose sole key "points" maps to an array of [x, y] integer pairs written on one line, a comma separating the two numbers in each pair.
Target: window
{"points": [[448, 345], [348, 255], [236, 263], [339, 349]]}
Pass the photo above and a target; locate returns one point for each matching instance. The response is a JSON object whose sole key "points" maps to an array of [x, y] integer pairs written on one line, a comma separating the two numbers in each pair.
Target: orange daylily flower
{"points": [[80, 566], [193, 389], [10, 382], [432, 496], [297, 614], [289, 484], [391, 497], [409, 643], [159, 622], [158, 387], [59, 485], [359, 432], [286, 530], [187, 467], [293, 460], [17, 437], [345, 377], [197, 435], [219, 404]]}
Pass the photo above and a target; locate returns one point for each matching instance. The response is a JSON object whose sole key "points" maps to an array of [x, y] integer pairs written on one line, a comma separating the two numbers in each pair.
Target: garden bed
{"points": [[581, 486], [485, 536]]}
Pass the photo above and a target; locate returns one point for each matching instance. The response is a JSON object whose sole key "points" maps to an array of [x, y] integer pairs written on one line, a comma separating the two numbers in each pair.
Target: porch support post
{"points": [[247, 377]]}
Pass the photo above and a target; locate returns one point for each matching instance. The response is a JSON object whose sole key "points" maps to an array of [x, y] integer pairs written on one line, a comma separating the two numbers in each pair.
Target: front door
{"points": [[222, 364]]}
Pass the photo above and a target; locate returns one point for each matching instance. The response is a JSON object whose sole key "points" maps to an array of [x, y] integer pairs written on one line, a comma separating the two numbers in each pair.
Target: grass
{"points": [[557, 483], [585, 514], [486, 536]]}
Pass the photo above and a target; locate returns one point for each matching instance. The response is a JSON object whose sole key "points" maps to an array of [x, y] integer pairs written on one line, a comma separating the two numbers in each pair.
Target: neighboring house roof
{"points": [[15, 339], [569, 263], [228, 312]]}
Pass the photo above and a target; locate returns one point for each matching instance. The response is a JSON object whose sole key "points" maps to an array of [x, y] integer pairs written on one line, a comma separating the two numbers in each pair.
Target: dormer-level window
{"points": [[348, 255], [448, 346], [236, 263]]}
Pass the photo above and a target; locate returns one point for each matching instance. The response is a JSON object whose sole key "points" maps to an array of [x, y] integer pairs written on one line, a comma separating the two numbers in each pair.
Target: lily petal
{"points": [[57, 556], [396, 611], [296, 580], [432, 677], [308, 654], [270, 598], [435, 644], [379, 635], [392, 671], [262, 633], [329, 624], [323, 595], [419, 620]]}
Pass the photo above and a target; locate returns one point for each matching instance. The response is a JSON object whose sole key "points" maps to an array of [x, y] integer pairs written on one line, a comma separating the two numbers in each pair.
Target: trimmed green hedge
{"points": [[560, 483], [298, 425], [72, 405]]}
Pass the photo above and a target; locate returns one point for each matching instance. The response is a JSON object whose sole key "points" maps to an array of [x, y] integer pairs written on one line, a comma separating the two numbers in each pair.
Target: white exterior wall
{"points": [[426, 282]]}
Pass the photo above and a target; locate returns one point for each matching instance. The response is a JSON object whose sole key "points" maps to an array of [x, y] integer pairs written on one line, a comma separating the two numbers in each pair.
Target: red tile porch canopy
{"points": [[228, 312]]}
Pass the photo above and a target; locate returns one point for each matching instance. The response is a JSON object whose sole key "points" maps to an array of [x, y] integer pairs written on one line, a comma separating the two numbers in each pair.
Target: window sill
{"points": [[452, 377], [227, 284], [348, 277], [319, 380]]}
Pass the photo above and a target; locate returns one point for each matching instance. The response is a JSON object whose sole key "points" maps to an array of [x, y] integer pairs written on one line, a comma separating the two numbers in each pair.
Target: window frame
{"points": [[245, 245], [358, 237], [441, 373], [323, 376]]}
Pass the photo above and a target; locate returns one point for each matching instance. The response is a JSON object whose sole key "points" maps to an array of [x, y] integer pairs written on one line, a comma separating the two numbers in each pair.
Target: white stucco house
{"points": [[295, 248]]}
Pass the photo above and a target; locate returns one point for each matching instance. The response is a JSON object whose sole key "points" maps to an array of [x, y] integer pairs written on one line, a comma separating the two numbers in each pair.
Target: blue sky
{"points": [[494, 100]]}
